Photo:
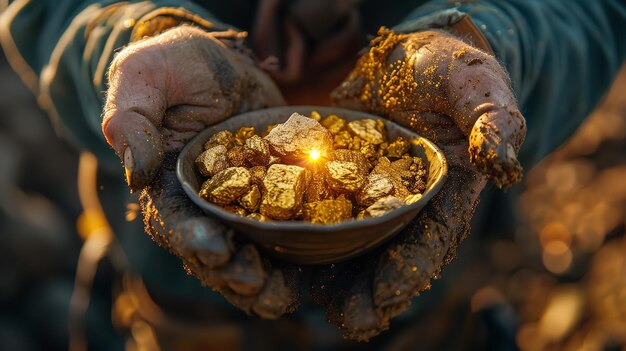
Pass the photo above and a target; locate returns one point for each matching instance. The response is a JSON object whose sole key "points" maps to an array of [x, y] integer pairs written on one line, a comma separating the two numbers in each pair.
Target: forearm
{"points": [[561, 56], [62, 50]]}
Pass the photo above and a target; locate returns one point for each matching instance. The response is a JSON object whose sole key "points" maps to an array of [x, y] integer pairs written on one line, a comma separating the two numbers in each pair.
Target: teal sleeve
{"points": [[62, 49], [562, 56]]}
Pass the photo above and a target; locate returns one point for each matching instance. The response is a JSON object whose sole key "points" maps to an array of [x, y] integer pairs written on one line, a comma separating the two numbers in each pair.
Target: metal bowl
{"points": [[302, 242]]}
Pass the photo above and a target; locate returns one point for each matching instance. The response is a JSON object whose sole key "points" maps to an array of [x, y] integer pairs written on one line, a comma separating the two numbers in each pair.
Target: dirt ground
{"points": [[562, 275]]}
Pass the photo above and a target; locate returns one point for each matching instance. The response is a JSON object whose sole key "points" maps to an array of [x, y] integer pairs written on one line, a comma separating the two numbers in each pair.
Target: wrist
{"points": [[164, 18], [452, 21]]}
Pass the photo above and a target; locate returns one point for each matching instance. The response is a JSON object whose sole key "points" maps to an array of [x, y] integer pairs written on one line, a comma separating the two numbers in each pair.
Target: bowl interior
{"points": [[304, 242]]}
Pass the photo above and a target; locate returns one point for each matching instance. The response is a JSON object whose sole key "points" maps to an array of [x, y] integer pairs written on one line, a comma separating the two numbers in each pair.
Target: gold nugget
{"points": [[226, 186], [333, 123], [237, 157], [385, 168], [317, 189], [251, 200], [315, 116], [224, 138], [398, 148], [283, 189], [353, 156], [257, 173], [368, 130], [328, 211], [377, 186], [257, 216], [257, 151], [343, 177], [243, 134], [342, 140], [212, 161], [318, 169], [381, 207]]}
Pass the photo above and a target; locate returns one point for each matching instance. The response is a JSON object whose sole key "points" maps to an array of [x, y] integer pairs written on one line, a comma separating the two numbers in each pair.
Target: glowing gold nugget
{"points": [[328, 211], [212, 161], [344, 177], [283, 189], [377, 186], [368, 130], [294, 140], [226, 186], [224, 138]]}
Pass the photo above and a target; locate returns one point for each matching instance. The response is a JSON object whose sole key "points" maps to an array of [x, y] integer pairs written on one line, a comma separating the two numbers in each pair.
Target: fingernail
{"points": [[510, 152], [129, 165]]}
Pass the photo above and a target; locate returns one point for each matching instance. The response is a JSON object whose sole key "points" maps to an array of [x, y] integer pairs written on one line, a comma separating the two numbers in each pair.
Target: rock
{"points": [[294, 140]]}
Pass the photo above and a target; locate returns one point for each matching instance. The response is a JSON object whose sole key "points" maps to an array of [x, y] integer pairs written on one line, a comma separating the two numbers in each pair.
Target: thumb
{"points": [[133, 112], [484, 107], [494, 143], [138, 144]]}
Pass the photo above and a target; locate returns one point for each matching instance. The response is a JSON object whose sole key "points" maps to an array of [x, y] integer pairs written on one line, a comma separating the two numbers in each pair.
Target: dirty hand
{"points": [[460, 98], [163, 91]]}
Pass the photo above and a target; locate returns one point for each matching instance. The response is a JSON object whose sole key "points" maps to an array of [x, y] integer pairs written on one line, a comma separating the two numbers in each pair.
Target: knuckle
{"points": [[122, 61]]}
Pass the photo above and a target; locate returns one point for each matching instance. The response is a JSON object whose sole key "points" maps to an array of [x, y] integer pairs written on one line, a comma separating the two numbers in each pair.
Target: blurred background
{"points": [[555, 282]]}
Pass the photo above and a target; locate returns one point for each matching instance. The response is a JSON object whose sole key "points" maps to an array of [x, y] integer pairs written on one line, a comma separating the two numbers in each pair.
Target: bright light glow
{"points": [[314, 155]]}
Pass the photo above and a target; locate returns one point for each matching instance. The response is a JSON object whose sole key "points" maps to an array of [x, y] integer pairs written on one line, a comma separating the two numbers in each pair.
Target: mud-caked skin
{"points": [[162, 92], [459, 97]]}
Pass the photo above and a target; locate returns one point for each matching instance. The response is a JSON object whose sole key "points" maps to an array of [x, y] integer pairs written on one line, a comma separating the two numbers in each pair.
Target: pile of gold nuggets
{"points": [[320, 170]]}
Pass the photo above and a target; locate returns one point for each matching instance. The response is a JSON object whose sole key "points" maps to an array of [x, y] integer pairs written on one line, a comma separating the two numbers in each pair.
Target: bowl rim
{"points": [[350, 224]]}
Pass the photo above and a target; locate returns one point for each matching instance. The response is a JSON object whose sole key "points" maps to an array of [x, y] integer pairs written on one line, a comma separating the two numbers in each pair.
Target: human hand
{"points": [[459, 97], [163, 91]]}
